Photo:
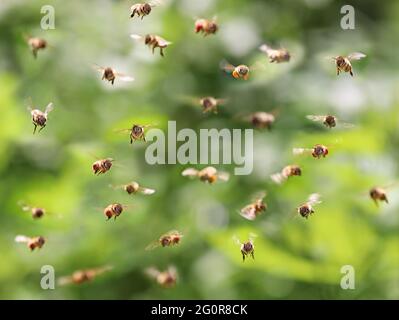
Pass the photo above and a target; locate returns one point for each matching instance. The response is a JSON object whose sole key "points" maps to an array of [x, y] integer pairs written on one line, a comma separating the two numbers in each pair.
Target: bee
{"points": [[137, 132], [329, 121], [247, 248], [114, 210], [206, 27], [275, 55], [36, 44], [39, 118], [134, 188], [208, 174], [261, 119], [111, 74], [343, 63], [166, 279], [208, 104], [32, 243], [153, 41], [142, 9], [171, 238], [306, 209], [36, 212], [238, 72], [317, 151], [378, 194], [251, 211], [82, 276], [288, 171], [102, 166]]}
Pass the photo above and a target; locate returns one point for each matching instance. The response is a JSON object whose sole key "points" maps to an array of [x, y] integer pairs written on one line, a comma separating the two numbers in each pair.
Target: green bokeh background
{"points": [[295, 258]]}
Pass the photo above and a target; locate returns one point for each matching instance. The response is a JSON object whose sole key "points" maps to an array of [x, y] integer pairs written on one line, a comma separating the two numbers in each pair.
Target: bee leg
{"points": [[243, 256], [376, 202], [351, 73], [112, 81], [34, 128], [131, 140], [253, 255], [144, 138], [153, 49], [337, 71], [42, 127], [142, 17], [161, 51]]}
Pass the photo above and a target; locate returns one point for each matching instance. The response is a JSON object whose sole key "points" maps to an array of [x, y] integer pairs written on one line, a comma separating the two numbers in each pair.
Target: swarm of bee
{"points": [[206, 27], [153, 41], [166, 279], [208, 174], [83, 276]]}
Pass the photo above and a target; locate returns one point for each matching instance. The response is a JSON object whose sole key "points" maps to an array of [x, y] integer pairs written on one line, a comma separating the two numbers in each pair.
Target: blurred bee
{"points": [[261, 119], [208, 104], [275, 55], [306, 209], [153, 41], [288, 171], [32, 243], [329, 121], [136, 132], [206, 27], [168, 239], [378, 194], [166, 279], [110, 74], [134, 188], [247, 248], [82, 276], [238, 72], [36, 44], [36, 212], [102, 166], [317, 151], [251, 211], [114, 210], [39, 118], [343, 63], [208, 174], [143, 9]]}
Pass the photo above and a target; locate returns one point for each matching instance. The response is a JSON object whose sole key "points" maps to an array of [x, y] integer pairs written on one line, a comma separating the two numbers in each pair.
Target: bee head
{"points": [[147, 39], [146, 8], [166, 241], [247, 247], [212, 27], [330, 121], [37, 213], [242, 70], [41, 241], [117, 208], [107, 164], [137, 130]]}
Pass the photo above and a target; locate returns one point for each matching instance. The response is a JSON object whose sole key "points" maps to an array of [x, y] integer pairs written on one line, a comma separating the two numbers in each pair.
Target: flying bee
{"points": [[306, 209], [343, 63], [166, 279], [238, 72], [208, 174], [171, 238], [288, 171], [39, 118], [114, 210], [261, 119], [82, 276], [275, 55], [206, 27], [143, 9], [247, 248], [110, 74], [36, 212], [134, 188], [102, 166], [251, 211], [208, 104], [32, 243], [36, 44], [378, 194], [317, 151], [153, 41], [329, 121], [136, 132]]}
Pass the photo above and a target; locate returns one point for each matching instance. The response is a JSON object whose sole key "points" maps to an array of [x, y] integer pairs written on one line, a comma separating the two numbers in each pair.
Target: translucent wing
{"points": [[265, 48], [346, 124], [136, 37], [356, 56], [259, 195], [248, 212], [21, 239], [24, 206], [237, 240], [102, 270], [64, 280], [98, 68], [154, 244], [49, 108], [146, 191], [152, 272], [155, 3], [172, 232], [315, 118], [190, 172], [116, 187], [252, 237], [299, 151], [163, 42], [223, 176], [278, 178], [226, 66], [124, 77], [314, 198]]}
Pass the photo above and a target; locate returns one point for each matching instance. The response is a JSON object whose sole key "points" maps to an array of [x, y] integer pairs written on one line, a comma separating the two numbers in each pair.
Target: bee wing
{"points": [[223, 176], [155, 3], [173, 232], [314, 198], [116, 187], [146, 191], [49, 108], [346, 124], [122, 130], [21, 239], [136, 37], [102, 270], [259, 195], [248, 212], [265, 49], [356, 56], [98, 68], [23, 205], [299, 151], [154, 244], [278, 178], [163, 42], [64, 280], [315, 118], [236, 240], [124, 77], [226, 66], [252, 237], [194, 101], [190, 172], [152, 272]]}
